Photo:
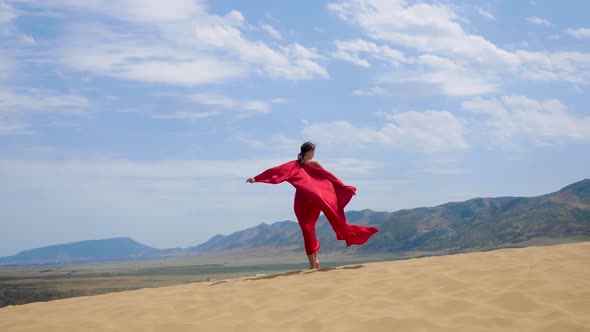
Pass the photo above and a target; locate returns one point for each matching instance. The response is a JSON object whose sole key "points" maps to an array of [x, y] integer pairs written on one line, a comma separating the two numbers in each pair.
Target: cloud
{"points": [[427, 132], [7, 13], [448, 77], [189, 116], [424, 27], [280, 101], [485, 14], [573, 67], [7, 67], [374, 91], [213, 99], [278, 143], [214, 104], [272, 31], [456, 62], [243, 108], [176, 42], [8, 29], [351, 51], [516, 121], [444, 170], [17, 107], [139, 11], [42, 102], [351, 167], [11, 124], [579, 33], [538, 21], [141, 58], [256, 106]]}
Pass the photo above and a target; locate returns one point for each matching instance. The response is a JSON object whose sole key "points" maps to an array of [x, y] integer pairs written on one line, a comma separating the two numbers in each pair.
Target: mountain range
{"points": [[476, 224]]}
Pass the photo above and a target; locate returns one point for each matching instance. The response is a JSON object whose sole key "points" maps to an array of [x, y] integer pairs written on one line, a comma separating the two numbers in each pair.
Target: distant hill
{"points": [[84, 251], [487, 222], [476, 224], [278, 234], [287, 233]]}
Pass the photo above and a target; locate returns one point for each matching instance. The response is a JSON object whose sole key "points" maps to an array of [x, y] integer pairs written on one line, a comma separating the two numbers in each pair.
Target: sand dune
{"points": [[530, 289]]}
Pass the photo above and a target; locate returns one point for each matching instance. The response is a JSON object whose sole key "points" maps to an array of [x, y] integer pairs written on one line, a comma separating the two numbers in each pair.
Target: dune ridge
{"points": [[528, 289]]}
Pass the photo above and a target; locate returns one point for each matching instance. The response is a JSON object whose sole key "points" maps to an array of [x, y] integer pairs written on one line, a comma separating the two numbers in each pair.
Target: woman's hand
{"points": [[250, 180]]}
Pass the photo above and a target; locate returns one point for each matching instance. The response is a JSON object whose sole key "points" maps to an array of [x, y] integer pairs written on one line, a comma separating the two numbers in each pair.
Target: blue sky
{"points": [[144, 119]]}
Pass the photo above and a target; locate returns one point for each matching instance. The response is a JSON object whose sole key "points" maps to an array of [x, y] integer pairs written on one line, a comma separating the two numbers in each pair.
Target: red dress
{"points": [[318, 190]]}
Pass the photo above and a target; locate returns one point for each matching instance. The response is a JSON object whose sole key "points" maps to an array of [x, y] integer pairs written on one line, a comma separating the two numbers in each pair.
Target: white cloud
{"points": [[458, 62], [18, 106], [253, 143], [272, 31], [448, 77], [13, 125], [41, 101], [150, 11], [538, 21], [278, 143], [28, 39], [257, 106], [513, 121], [444, 170], [351, 51], [349, 167], [113, 54], [374, 91], [428, 132], [573, 67], [7, 67], [176, 42], [579, 33], [220, 102], [8, 30], [7, 13], [213, 99], [299, 63], [424, 27], [485, 14], [279, 101], [189, 116]]}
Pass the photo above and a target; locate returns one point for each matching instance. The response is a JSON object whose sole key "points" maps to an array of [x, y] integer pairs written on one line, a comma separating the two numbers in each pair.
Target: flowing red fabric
{"points": [[325, 191]]}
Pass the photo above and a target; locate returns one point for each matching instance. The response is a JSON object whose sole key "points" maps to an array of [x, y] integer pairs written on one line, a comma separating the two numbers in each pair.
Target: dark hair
{"points": [[305, 147]]}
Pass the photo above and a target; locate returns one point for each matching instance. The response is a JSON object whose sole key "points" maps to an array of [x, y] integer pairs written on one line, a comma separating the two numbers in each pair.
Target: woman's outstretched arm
{"points": [[276, 174]]}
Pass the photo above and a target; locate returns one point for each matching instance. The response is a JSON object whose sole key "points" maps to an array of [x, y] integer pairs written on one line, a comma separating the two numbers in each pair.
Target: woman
{"points": [[317, 190]]}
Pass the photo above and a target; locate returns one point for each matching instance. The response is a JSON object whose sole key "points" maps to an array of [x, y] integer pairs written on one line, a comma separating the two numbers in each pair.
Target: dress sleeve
{"points": [[277, 174]]}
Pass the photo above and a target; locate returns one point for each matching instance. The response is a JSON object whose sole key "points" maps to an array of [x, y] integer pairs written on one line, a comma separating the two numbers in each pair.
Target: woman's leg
{"points": [[316, 261], [307, 216]]}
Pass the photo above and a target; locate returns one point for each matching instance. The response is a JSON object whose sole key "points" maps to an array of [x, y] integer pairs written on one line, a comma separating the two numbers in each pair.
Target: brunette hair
{"points": [[305, 147]]}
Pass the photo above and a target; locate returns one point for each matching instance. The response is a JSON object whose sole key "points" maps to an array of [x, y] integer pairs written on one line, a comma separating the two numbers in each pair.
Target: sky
{"points": [[145, 118]]}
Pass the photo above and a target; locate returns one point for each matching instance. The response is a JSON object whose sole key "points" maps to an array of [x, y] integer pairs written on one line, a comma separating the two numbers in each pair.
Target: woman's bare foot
{"points": [[314, 262], [311, 259]]}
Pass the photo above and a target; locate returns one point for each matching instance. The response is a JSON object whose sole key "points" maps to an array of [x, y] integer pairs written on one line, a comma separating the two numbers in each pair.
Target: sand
{"points": [[529, 289]]}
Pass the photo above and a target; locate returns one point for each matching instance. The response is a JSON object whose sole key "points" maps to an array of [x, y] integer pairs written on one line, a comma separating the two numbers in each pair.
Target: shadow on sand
{"points": [[286, 274]]}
